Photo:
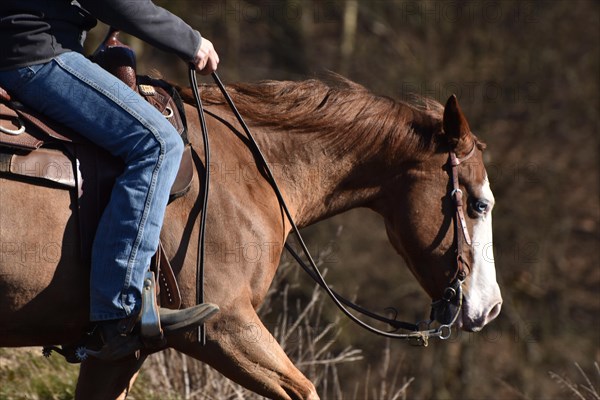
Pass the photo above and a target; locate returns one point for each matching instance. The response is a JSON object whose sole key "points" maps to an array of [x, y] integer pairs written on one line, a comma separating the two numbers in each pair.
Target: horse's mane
{"points": [[341, 110]]}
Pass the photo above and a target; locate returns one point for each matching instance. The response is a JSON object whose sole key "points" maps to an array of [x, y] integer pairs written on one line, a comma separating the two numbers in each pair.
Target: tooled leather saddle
{"points": [[38, 150]]}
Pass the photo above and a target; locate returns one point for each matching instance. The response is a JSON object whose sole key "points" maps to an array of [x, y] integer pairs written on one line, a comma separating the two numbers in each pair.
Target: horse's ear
{"points": [[456, 127]]}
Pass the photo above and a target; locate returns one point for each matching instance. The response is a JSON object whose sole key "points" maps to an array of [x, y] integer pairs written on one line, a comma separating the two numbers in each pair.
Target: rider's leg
{"points": [[84, 97]]}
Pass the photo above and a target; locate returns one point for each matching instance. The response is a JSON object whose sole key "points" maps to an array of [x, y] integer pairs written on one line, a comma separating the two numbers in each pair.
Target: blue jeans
{"points": [[78, 93]]}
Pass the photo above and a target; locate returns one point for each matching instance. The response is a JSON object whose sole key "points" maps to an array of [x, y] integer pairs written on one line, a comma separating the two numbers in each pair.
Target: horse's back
{"points": [[43, 287]]}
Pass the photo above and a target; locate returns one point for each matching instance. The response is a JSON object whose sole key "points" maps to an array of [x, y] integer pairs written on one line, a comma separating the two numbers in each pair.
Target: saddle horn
{"points": [[117, 58]]}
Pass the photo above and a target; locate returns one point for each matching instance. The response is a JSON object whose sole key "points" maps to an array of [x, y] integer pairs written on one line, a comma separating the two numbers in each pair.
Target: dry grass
{"points": [[583, 391]]}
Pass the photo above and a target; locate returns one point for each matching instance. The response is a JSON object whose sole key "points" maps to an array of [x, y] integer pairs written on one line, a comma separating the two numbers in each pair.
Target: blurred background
{"points": [[527, 76]]}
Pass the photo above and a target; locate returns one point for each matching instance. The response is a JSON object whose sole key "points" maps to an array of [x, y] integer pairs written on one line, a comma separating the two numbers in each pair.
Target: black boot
{"points": [[120, 338]]}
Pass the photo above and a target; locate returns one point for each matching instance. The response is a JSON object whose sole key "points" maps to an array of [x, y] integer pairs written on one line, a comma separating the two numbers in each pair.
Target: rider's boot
{"points": [[120, 338]]}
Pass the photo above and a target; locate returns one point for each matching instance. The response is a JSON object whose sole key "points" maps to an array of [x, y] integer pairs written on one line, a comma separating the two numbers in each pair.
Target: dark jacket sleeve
{"points": [[149, 22]]}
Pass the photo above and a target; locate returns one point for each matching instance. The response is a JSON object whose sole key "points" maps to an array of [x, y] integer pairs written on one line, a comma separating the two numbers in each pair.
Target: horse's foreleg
{"points": [[104, 380], [243, 350]]}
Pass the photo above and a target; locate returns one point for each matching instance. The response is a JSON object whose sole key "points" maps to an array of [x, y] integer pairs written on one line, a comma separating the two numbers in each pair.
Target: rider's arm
{"points": [[149, 22]]}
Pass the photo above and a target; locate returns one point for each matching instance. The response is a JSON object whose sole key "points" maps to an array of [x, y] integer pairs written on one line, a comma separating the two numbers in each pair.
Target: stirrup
{"points": [[155, 321], [150, 328]]}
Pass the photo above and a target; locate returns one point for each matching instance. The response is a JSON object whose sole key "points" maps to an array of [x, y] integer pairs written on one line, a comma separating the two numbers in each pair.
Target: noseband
{"points": [[452, 292]]}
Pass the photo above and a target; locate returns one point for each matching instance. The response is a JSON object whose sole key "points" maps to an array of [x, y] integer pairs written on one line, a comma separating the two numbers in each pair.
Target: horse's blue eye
{"points": [[480, 206]]}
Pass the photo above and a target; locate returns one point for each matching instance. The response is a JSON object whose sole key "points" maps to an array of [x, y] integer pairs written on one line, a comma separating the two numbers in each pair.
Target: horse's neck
{"points": [[321, 182]]}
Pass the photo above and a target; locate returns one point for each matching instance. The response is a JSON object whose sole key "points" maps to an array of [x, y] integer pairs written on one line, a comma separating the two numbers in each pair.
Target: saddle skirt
{"points": [[40, 151]]}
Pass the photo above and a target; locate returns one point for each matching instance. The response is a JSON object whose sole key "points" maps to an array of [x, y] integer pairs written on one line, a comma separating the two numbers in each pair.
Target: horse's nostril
{"points": [[494, 312]]}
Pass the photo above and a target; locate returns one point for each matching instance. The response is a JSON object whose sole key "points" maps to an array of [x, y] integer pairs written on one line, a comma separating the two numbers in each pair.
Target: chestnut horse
{"points": [[333, 146]]}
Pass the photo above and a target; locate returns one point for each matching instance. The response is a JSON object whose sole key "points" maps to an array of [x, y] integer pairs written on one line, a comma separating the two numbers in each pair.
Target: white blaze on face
{"points": [[483, 299]]}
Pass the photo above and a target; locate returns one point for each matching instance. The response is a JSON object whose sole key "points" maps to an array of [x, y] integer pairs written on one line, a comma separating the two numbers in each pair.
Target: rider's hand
{"points": [[206, 59]]}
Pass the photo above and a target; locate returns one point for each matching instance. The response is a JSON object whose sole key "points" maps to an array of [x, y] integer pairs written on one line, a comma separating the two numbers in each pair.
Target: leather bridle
{"points": [[463, 267], [453, 293], [463, 240]]}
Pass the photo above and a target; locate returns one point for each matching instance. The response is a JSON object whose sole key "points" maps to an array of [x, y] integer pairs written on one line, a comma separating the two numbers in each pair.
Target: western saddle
{"points": [[40, 151]]}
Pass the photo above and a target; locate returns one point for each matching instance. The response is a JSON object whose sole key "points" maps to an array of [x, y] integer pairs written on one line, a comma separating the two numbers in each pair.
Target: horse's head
{"points": [[422, 222]]}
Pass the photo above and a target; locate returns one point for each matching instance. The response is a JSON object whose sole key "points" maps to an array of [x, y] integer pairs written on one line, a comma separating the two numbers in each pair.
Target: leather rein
{"points": [[417, 335]]}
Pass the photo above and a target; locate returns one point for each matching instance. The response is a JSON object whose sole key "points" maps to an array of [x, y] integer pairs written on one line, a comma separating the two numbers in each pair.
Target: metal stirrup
{"points": [[150, 328]]}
